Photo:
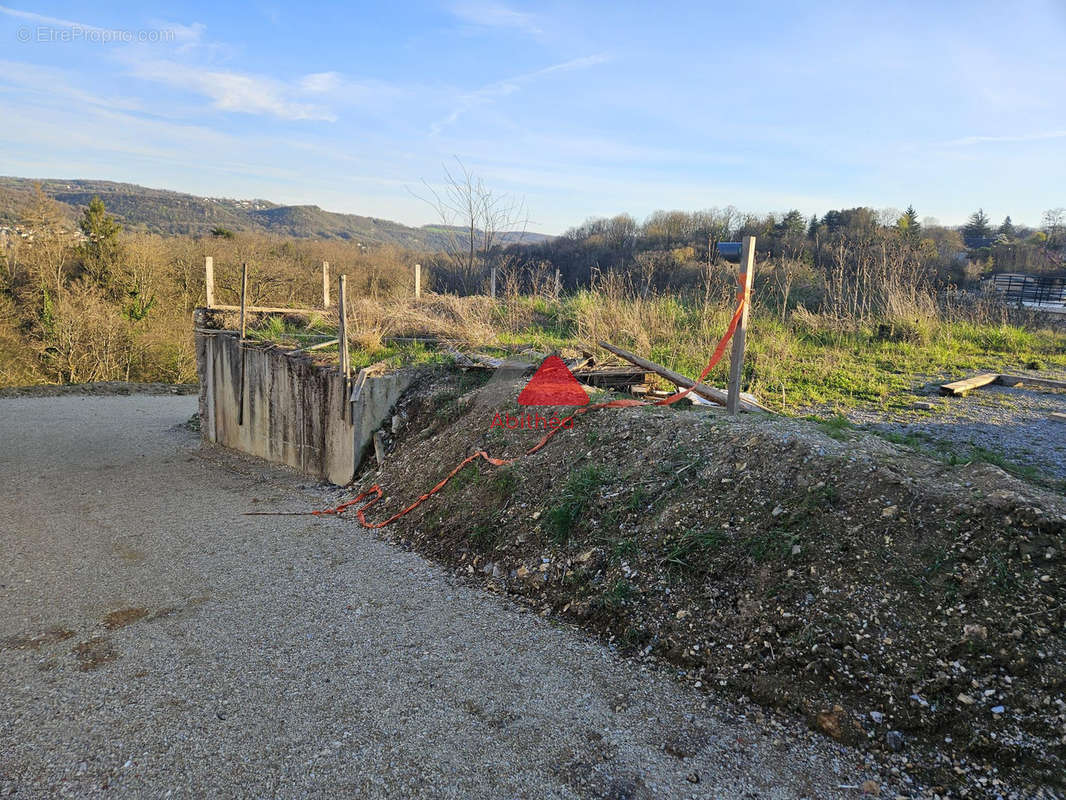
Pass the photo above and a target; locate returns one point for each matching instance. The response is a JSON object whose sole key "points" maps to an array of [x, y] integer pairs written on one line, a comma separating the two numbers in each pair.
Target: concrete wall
{"points": [[293, 410]]}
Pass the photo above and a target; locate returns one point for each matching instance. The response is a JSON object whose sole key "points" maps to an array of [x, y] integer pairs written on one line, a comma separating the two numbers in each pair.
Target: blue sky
{"points": [[583, 109]]}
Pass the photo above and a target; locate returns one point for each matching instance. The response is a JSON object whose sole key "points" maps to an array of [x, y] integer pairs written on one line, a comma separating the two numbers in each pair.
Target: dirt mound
{"points": [[901, 604]]}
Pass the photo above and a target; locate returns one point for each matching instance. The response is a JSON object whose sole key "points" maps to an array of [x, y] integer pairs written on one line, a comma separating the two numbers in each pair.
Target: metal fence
{"points": [[1030, 291]]}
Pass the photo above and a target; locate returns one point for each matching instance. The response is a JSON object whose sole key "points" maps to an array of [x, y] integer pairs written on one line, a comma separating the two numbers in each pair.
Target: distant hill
{"points": [[165, 212]]}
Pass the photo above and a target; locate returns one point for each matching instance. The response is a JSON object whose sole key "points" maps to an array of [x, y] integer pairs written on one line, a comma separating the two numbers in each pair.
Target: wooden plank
{"points": [[707, 392], [966, 385], [268, 310], [325, 284], [1057, 416], [740, 336], [244, 302], [418, 281], [312, 347], [1016, 380]]}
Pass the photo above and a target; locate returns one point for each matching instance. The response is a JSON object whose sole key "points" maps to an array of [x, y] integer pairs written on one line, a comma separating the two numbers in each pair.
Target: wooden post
{"points": [[418, 281], [492, 283], [244, 305], [736, 356], [325, 284], [558, 283], [209, 280], [345, 367]]}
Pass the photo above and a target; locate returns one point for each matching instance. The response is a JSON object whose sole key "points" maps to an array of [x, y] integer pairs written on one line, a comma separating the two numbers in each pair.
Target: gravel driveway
{"points": [[156, 643]]}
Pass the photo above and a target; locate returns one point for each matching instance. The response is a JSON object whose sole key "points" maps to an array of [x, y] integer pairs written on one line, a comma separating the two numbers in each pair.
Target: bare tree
{"points": [[473, 219]]}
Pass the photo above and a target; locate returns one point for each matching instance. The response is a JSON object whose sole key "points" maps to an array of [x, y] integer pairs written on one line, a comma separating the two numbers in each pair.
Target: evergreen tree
{"points": [[909, 224], [978, 226], [1007, 228], [791, 223], [101, 248]]}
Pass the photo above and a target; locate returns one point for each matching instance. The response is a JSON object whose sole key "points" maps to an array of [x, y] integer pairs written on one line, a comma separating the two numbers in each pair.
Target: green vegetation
{"points": [[577, 493]]}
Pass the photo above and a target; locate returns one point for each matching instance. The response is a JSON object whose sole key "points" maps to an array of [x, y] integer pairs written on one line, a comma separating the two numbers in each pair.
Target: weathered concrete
{"points": [[293, 410]]}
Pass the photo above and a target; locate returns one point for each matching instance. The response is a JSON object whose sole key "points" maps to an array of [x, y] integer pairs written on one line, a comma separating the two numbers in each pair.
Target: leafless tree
{"points": [[473, 220]]}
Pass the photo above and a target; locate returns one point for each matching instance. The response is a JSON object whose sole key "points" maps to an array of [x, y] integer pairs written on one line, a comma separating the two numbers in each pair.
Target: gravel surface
{"points": [[1014, 423], [155, 642]]}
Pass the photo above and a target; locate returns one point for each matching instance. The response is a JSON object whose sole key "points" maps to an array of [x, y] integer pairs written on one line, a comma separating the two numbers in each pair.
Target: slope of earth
{"points": [[900, 604]]}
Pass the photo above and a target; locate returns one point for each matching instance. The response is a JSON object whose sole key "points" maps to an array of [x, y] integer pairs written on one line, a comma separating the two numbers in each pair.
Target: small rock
{"points": [[973, 632], [965, 699], [998, 709], [923, 405], [522, 572], [777, 512], [890, 511], [894, 740], [829, 722], [694, 777], [877, 717], [871, 788], [796, 549]]}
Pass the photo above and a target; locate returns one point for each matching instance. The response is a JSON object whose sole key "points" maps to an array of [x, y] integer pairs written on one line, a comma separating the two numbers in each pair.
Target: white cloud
{"points": [[233, 91], [496, 15], [489, 93], [1024, 137], [319, 82]]}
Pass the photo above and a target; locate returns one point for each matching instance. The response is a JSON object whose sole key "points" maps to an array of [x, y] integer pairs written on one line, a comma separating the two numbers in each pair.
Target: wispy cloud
{"points": [[1023, 137], [496, 15], [493, 91], [234, 91]]}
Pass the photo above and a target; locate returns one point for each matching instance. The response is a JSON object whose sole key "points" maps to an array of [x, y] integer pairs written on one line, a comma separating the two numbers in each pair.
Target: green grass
{"points": [[689, 550], [577, 492]]}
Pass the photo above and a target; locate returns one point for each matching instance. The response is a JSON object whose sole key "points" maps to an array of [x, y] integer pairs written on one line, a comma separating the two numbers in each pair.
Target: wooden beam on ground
{"points": [[967, 385], [1057, 416], [718, 396], [740, 336], [1017, 380], [311, 347]]}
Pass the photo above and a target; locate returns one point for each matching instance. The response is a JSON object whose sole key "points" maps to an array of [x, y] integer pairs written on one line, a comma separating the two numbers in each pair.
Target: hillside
{"points": [[165, 212]]}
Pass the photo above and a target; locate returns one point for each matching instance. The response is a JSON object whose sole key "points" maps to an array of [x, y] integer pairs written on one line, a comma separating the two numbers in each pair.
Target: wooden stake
{"points": [[209, 280], [325, 284], [736, 356], [418, 281], [244, 303], [492, 281], [345, 367], [558, 283]]}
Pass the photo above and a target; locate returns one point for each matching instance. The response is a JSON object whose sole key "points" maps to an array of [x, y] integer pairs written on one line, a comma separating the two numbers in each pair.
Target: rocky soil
{"points": [[913, 609]]}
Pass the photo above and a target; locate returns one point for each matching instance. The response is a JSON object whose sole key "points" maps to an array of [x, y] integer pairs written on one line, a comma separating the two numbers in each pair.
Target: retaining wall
{"points": [[293, 410]]}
